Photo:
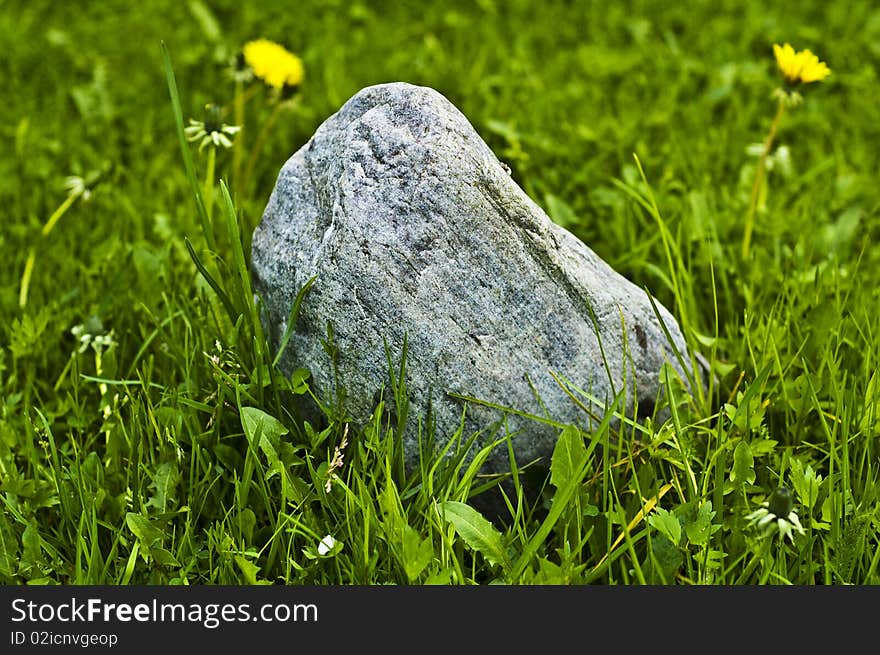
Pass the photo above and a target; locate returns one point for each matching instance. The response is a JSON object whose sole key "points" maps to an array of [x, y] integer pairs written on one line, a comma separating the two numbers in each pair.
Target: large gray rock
{"points": [[413, 227]]}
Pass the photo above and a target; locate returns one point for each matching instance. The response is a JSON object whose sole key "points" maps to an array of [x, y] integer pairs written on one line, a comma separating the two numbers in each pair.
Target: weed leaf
{"points": [[568, 458], [743, 465], [701, 528], [477, 532], [249, 570], [164, 483], [417, 552], [263, 430], [146, 533], [666, 523]]}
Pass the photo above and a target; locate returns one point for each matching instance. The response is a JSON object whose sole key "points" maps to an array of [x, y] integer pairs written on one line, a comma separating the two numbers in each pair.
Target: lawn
{"points": [[147, 438]]}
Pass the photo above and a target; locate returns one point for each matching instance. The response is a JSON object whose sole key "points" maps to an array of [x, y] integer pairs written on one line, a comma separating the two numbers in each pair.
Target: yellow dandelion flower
{"points": [[273, 63], [800, 67]]}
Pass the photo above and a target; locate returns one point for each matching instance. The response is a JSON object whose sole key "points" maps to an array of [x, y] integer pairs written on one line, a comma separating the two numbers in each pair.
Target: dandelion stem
{"points": [[258, 144], [208, 187], [759, 176], [238, 147]]}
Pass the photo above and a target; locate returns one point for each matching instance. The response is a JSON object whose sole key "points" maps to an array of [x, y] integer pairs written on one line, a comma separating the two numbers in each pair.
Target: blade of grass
{"points": [[291, 320], [207, 228], [227, 303]]}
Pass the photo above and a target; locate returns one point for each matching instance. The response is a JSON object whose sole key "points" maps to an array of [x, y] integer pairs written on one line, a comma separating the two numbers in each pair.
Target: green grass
{"points": [[173, 454]]}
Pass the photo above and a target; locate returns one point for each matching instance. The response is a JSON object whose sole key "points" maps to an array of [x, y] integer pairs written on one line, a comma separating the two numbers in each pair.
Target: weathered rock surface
{"points": [[413, 227]]}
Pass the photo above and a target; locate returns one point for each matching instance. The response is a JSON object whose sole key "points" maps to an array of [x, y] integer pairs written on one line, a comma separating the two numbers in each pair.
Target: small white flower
{"points": [[777, 513], [91, 334], [76, 186], [755, 149], [782, 159], [211, 130], [103, 341], [779, 158], [326, 545]]}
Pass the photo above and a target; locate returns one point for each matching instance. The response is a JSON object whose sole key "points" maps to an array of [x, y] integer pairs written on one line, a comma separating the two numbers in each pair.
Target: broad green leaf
{"points": [[299, 381], [805, 482], [230, 457], [256, 421], [568, 458], [762, 447], [743, 465], [549, 573], [147, 534], [249, 570], [163, 557], [246, 522], [164, 482], [30, 542], [701, 528], [666, 523], [442, 577], [413, 552], [477, 532], [258, 425], [715, 558], [417, 553]]}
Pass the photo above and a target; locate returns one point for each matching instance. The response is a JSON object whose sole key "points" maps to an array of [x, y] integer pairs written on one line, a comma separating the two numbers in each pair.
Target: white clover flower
{"points": [[777, 514], [326, 545]]}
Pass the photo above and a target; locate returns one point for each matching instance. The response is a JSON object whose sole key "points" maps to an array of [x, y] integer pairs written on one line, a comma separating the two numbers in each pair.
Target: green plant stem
{"points": [[258, 144], [242, 97], [759, 176], [238, 146], [208, 186], [25, 284], [26, 278], [58, 213]]}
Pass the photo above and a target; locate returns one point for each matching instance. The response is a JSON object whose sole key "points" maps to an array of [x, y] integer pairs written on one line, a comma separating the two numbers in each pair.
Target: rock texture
{"points": [[413, 227]]}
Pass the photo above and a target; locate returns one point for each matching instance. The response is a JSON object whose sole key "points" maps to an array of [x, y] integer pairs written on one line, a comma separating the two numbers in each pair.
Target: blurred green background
{"points": [[564, 92]]}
